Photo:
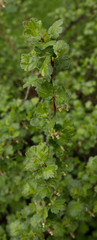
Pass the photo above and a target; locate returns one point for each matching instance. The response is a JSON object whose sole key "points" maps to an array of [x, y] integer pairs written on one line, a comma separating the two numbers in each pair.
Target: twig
{"points": [[72, 24], [52, 77], [54, 105], [8, 41], [27, 94]]}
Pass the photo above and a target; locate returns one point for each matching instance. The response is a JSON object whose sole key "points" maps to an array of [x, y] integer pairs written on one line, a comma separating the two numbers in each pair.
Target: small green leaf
{"points": [[62, 64], [33, 28], [43, 191], [44, 89], [40, 151], [15, 228], [46, 69], [60, 48], [35, 220], [35, 156], [55, 30], [75, 208], [59, 231], [29, 189], [49, 172], [30, 81], [44, 45], [92, 164], [29, 61], [58, 206]]}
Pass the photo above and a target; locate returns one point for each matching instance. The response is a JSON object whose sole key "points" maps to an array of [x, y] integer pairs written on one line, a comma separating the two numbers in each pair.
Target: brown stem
{"points": [[27, 94], [52, 77], [54, 106], [72, 24], [8, 41]]}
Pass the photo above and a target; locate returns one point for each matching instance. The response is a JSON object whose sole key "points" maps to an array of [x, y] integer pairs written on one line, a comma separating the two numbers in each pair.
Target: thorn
{"points": [[90, 213], [72, 235]]}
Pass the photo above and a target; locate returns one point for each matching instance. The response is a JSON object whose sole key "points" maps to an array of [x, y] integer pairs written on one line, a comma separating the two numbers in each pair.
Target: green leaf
{"points": [[15, 228], [75, 209], [40, 151], [9, 150], [60, 48], [31, 81], [44, 89], [75, 187], [62, 64], [59, 230], [36, 156], [29, 61], [55, 30], [35, 220], [29, 189], [46, 68], [43, 191], [32, 164], [49, 172], [92, 164], [33, 29], [57, 206], [44, 45]]}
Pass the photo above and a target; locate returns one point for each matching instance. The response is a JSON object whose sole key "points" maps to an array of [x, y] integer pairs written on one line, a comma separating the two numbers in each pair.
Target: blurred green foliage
{"points": [[19, 131]]}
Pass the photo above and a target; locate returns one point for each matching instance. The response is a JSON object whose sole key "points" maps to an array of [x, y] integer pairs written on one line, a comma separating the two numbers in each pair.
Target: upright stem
{"points": [[52, 77]]}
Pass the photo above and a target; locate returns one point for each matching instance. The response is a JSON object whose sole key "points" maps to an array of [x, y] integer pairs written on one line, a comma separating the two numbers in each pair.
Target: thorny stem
{"points": [[52, 77], [54, 106], [27, 93]]}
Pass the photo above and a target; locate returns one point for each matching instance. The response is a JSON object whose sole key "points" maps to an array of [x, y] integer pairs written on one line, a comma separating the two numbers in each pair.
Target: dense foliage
{"points": [[52, 192]]}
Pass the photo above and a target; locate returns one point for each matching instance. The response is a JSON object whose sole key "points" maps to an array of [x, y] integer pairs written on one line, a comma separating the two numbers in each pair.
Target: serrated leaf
{"points": [[49, 172], [63, 64], [33, 29], [60, 48], [55, 30], [15, 228], [29, 61], [31, 81], [58, 230], [29, 189], [44, 45], [62, 96], [75, 187], [44, 89], [75, 208], [46, 68], [35, 220], [58, 206], [40, 152], [35, 156], [43, 191], [32, 164], [92, 164]]}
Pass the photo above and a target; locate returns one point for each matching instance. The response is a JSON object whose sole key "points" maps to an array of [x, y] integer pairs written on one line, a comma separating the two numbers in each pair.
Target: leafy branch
{"points": [[47, 57]]}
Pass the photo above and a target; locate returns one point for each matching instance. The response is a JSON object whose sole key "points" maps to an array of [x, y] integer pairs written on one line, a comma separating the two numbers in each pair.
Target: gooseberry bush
{"points": [[51, 193]]}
